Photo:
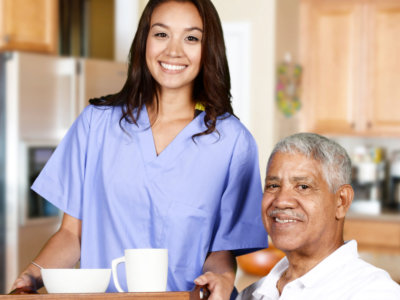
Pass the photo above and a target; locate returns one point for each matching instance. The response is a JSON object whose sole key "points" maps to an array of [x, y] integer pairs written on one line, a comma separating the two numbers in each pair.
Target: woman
{"points": [[161, 164]]}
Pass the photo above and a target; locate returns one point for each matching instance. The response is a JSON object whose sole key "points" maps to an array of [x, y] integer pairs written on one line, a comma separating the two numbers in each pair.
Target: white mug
{"points": [[146, 270]]}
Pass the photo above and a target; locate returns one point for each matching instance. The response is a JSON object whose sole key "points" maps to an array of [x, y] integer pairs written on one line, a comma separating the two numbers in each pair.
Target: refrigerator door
{"points": [[47, 98], [40, 97], [46, 95], [39, 100], [99, 78]]}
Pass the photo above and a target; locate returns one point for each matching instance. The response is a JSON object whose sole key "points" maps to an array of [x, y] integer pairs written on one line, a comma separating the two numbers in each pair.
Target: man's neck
{"points": [[302, 261]]}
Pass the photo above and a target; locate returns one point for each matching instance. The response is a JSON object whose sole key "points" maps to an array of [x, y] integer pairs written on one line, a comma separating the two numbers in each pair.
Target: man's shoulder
{"points": [[359, 279], [372, 280]]}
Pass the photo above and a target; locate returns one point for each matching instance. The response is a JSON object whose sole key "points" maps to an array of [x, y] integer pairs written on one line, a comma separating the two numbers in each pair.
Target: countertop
{"points": [[384, 215]]}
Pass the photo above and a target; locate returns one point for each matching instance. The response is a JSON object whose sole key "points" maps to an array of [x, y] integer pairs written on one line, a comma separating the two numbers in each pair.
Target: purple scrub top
{"points": [[193, 198]]}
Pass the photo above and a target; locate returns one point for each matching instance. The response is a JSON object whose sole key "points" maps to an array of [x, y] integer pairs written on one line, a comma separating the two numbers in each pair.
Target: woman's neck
{"points": [[172, 105]]}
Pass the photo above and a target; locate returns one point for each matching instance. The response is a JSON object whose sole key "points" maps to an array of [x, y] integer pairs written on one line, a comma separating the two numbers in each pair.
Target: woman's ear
{"points": [[344, 197]]}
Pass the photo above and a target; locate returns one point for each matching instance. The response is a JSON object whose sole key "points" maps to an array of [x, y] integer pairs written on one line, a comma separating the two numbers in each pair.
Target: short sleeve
{"points": [[61, 180], [239, 225]]}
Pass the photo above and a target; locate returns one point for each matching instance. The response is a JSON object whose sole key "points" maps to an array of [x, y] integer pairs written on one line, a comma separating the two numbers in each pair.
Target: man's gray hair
{"points": [[336, 163]]}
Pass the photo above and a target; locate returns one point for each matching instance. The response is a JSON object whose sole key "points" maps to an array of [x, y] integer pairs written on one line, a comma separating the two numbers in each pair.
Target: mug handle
{"points": [[114, 264]]}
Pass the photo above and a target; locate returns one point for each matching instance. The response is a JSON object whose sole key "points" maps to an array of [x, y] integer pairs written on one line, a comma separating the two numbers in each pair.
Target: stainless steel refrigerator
{"points": [[40, 97]]}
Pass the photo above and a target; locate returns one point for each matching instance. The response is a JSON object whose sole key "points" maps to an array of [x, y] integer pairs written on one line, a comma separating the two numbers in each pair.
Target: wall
{"points": [[287, 41], [261, 15]]}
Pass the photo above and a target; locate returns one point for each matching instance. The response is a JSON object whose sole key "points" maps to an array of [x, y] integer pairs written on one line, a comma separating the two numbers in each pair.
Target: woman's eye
{"points": [[161, 34], [192, 38]]}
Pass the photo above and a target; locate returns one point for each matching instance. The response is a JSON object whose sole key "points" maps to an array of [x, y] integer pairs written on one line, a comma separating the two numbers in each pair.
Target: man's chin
{"points": [[285, 244]]}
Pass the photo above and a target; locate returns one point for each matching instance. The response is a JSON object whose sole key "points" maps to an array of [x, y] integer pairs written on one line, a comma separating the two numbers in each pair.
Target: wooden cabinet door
{"points": [[330, 47], [29, 25], [373, 235], [383, 85]]}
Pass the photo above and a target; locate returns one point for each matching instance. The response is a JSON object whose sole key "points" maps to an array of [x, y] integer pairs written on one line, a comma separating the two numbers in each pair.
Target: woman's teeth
{"points": [[285, 221], [172, 67]]}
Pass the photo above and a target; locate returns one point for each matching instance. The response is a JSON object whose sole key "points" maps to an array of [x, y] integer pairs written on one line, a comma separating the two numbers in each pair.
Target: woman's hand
{"points": [[24, 284], [219, 285], [219, 275], [62, 250]]}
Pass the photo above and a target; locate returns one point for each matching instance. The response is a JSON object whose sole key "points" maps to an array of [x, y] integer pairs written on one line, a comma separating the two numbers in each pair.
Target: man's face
{"points": [[298, 207]]}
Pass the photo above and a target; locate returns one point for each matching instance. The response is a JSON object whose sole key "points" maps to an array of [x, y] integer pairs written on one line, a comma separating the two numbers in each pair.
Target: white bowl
{"points": [[76, 280]]}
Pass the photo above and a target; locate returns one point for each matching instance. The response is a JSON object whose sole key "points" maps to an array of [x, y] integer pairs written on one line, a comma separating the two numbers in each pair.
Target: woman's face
{"points": [[173, 49]]}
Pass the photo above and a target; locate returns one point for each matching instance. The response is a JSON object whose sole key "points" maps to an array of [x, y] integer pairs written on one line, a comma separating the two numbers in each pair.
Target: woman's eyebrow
{"points": [[194, 28], [159, 24], [186, 29]]}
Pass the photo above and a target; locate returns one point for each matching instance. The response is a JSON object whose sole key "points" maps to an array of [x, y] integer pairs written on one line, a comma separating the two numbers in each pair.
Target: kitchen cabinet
{"points": [[29, 25], [378, 235], [349, 50]]}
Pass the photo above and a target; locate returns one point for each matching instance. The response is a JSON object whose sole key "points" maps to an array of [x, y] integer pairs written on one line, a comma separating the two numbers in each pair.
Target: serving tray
{"points": [[192, 295]]}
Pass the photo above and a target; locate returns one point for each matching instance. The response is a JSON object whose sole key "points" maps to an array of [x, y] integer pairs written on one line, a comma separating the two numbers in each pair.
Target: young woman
{"points": [[161, 164]]}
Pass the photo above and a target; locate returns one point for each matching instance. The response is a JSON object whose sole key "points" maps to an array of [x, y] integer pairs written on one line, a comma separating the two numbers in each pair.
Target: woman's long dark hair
{"points": [[211, 86]]}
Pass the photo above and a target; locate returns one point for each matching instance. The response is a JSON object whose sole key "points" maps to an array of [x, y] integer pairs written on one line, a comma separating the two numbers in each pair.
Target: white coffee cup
{"points": [[146, 270]]}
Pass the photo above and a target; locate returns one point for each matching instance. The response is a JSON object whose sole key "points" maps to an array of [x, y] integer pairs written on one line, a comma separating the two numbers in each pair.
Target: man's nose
{"points": [[285, 198]]}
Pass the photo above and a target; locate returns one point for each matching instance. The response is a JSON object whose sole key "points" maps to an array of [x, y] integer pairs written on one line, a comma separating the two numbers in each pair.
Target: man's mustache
{"points": [[288, 212]]}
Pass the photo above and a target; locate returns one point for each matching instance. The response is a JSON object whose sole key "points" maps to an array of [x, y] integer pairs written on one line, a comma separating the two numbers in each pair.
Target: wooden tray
{"points": [[192, 295]]}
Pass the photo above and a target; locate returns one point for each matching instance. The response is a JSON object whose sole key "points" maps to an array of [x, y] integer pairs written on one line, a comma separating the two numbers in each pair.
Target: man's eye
{"points": [[272, 186], [304, 186]]}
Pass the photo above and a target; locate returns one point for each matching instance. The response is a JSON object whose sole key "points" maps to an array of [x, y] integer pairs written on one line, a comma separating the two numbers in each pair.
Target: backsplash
{"points": [[376, 186], [350, 143]]}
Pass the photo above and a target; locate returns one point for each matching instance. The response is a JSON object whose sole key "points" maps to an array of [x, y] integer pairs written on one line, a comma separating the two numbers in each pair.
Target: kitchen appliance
{"points": [[394, 184], [40, 97], [368, 180]]}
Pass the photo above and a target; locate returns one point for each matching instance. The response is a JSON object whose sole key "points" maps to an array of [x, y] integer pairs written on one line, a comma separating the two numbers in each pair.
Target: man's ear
{"points": [[344, 197]]}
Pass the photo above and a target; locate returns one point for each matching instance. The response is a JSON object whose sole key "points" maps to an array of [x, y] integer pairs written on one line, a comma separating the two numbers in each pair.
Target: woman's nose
{"points": [[174, 48]]}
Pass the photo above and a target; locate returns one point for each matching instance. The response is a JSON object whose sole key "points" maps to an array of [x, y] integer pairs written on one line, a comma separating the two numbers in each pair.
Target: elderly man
{"points": [[307, 194]]}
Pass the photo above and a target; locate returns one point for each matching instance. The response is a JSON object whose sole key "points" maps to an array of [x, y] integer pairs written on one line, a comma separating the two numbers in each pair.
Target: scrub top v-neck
{"points": [[195, 197], [171, 151]]}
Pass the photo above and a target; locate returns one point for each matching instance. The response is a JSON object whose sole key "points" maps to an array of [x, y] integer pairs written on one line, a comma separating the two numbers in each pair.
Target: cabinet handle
{"points": [[353, 125], [369, 124]]}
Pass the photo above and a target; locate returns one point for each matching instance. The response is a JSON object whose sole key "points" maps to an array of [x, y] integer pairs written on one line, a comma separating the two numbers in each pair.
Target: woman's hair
{"points": [[335, 162], [211, 86]]}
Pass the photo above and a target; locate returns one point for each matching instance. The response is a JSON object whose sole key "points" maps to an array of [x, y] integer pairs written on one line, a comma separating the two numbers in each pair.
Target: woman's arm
{"points": [[62, 250], [219, 274]]}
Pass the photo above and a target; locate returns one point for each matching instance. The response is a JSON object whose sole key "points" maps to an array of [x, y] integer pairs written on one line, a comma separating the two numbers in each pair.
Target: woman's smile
{"points": [[172, 67]]}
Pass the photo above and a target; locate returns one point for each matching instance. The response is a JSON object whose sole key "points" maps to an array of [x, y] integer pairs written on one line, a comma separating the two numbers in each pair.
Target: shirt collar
{"points": [[339, 257], [268, 287], [335, 260]]}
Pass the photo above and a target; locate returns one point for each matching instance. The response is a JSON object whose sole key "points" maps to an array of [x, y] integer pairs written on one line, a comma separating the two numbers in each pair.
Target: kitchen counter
{"points": [[384, 216]]}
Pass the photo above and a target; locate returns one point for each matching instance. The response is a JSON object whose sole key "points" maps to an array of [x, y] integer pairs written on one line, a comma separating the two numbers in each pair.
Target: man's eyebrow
{"points": [[272, 178], [301, 178]]}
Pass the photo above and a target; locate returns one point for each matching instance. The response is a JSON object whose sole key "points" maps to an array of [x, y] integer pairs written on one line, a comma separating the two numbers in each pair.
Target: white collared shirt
{"points": [[342, 275]]}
